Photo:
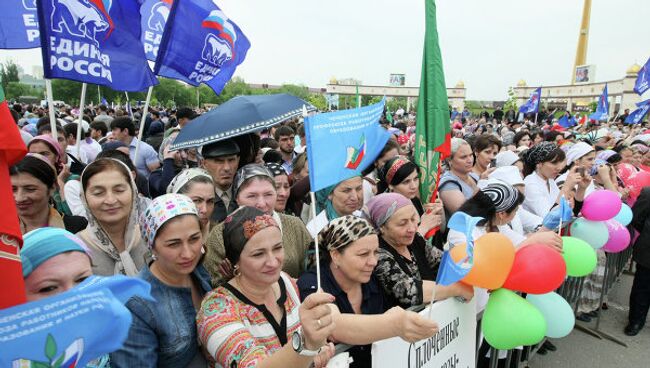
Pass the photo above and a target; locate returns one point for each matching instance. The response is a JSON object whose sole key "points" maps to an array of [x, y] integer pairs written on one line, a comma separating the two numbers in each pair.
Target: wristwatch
{"points": [[298, 343]]}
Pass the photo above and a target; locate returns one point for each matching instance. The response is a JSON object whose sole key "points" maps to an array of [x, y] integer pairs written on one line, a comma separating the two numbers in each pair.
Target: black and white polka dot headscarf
{"points": [[275, 169], [503, 195], [539, 153]]}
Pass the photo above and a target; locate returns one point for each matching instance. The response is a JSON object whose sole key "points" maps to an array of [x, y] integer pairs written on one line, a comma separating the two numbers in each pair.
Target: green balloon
{"points": [[580, 257], [510, 321]]}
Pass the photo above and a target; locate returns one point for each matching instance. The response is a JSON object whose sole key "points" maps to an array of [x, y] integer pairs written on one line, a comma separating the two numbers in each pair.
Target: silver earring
{"points": [[154, 257]]}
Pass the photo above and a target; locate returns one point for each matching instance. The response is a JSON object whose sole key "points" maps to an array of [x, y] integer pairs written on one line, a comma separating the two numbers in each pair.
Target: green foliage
{"points": [[593, 106], [318, 101], [511, 103], [13, 90], [8, 73]]}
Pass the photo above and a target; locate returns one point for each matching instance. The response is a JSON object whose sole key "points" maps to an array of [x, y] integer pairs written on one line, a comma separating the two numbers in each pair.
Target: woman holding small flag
{"points": [[349, 247]]}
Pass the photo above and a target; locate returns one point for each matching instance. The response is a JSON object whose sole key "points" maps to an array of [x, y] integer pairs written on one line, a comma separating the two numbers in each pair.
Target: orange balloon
{"points": [[494, 255]]}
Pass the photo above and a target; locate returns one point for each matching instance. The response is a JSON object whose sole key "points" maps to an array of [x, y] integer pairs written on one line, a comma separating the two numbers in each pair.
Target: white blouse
{"points": [[541, 194]]}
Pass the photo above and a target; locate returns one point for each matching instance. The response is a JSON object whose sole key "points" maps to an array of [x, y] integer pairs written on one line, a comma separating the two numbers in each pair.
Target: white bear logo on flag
{"points": [[79, 18]]}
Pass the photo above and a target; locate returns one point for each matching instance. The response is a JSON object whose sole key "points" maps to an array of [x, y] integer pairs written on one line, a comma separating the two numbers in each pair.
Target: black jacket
{"points": [[641, 222]]}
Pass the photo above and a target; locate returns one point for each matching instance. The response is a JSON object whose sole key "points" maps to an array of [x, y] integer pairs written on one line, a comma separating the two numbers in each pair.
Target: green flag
{"points": [[358, 97], [433, 139], [389, 115]]}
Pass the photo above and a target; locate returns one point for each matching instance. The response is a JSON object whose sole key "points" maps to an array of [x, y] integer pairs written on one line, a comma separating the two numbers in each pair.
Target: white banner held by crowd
{"points": [[454, 346]]}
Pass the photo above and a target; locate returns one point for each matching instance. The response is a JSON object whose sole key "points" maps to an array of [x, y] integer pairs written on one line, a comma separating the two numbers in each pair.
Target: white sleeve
{"points": [[72, 191], [529, 221], [536, 200]]}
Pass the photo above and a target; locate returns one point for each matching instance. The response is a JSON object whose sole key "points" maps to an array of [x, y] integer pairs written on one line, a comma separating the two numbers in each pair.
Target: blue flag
{"points": [[153, 18], [104, 101], [94, 41], [200, 45], [72, 328], [341, 144], [602, 110], [637, 115], [643, 79], [449, 271], [567, 121], [532, 105], [19, 25]]}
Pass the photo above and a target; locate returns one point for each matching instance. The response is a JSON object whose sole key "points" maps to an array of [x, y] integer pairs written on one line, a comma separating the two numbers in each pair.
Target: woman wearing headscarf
{"points": [[198, 185], [406, 265], [542, 165], [581, 156], [34, 181], [48, 147], [255, 319], [254, 186], [497, 204], [163, 332], [282, 186], [349, 246], [54, 261], [341, 199], [111, 199]]}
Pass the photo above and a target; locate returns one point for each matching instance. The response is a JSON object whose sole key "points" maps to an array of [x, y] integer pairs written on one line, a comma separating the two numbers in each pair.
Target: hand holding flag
{"points": [[561, 214]]}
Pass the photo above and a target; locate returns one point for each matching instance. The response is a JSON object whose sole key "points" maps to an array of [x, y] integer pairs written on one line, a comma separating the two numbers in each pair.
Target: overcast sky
{"points": [[490, 45]]}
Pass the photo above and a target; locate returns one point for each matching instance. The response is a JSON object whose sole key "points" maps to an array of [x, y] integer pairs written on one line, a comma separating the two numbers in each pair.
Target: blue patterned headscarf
{"points": [[47, 242]]}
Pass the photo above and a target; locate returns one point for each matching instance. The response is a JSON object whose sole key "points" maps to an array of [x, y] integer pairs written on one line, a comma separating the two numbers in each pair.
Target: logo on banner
{"points": [[218, 48], [29, 4], [82, 18], [68, 358], [643, 79], [355, 155], [154, 17], [82, 25]]}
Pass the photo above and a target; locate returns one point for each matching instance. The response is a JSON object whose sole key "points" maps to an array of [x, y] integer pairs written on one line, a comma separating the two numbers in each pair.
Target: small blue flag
{"points": [[637, 115], [72, 328], [602, 110], [104, 102], [567, 121], [566, 212], [643, 79], [201, 45], [532, 105], [449, 271], [454, 114], [341, 144], [94, 41], [19, 25], [153, 18]]}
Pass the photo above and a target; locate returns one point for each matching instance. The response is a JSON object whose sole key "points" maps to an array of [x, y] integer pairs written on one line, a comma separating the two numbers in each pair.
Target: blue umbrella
{"points": [[240, 115]]}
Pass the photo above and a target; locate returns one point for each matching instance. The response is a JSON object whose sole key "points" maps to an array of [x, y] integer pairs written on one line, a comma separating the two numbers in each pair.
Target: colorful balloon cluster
{"points": [[537, 270]]}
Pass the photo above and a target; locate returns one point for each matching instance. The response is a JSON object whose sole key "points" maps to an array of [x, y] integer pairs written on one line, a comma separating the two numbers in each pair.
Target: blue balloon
{"points": [[624, 215], [593, 232], [557, 312]]}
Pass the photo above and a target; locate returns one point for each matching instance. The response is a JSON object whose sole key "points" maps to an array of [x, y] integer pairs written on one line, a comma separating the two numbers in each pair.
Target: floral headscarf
{"points": [[240, 226], [161, 210]]}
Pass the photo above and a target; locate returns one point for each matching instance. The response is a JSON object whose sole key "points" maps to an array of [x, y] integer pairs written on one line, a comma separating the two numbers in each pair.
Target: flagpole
{"points": [[50, 105], [313, 215], [141, 124], [82, 101], [99, 96], [128, 105]]}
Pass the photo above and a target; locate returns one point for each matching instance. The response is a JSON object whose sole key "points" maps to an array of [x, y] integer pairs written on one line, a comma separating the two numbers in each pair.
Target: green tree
{"points": [[318, 100], [298, 91], [16, 89], [235, 87], [8, 73], [511, 103]]}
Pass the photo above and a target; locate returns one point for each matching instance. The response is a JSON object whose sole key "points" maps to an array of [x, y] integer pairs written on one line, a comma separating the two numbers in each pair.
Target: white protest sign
{"points": [[454, 346]]}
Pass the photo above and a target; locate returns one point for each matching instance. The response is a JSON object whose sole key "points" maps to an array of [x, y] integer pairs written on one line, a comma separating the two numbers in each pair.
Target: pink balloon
{"points": [[601, 205], [619, 237]]}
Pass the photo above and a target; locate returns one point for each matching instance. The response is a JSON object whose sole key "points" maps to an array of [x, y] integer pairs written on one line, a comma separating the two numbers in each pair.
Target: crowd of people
{"points": [[224, 233]]}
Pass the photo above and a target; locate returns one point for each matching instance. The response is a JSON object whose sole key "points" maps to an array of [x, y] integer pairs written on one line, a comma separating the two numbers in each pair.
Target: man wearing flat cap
{"points": [[221, 160]]}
